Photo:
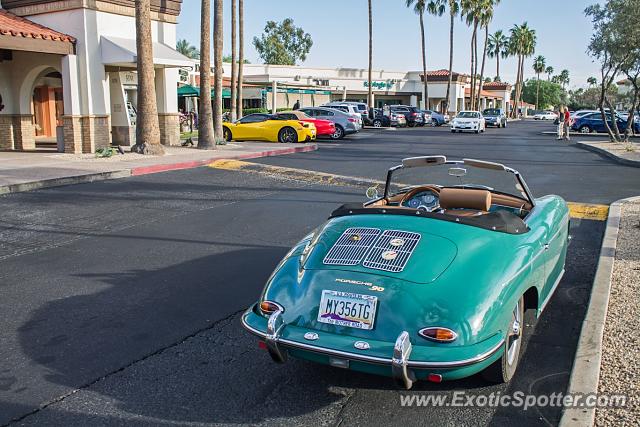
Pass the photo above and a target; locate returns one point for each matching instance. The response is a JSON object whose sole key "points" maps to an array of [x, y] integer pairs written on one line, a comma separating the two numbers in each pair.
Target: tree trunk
{"points": [[484, 58], [632, 111], [240, 56], [613, 112], [424, 63], [234, 79], [514, 113], [217, 59], [147, 126], [498, 66], [206, 138], [473, 80], [370, 76], [538, 92], [475, 66], [445, 108]]}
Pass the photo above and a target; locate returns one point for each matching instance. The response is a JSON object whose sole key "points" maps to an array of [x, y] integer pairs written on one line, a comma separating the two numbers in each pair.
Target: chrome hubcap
{"points": [[515, 333]]}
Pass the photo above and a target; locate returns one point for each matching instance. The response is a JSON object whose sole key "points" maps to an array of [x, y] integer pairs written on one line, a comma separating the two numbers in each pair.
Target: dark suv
{"points": [[413, 114]]}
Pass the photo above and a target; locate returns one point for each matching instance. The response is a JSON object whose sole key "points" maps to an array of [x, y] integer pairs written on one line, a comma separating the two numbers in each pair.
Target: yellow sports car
{"points": [[267, 127]]}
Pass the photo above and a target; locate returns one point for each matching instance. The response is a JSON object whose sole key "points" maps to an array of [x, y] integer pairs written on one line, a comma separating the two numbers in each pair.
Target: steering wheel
{"points": [[412, 193]]}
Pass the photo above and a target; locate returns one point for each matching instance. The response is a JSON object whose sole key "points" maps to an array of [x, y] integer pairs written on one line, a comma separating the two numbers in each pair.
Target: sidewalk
{"points": [[25, 171], [620, 364], [626, 154]]}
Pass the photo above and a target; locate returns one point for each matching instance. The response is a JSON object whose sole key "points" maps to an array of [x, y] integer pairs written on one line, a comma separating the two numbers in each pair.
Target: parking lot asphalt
{"points": [[120, 300]]}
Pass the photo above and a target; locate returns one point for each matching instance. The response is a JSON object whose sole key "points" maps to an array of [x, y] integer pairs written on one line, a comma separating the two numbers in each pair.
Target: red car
{"points": [[323, 127]]}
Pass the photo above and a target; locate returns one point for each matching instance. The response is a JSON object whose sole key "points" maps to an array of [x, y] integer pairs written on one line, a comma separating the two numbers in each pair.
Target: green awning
{"points": [[191, 91]]}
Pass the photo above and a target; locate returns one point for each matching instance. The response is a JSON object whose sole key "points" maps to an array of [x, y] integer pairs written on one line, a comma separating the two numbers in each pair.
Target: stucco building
{"points": [[67, 72]]}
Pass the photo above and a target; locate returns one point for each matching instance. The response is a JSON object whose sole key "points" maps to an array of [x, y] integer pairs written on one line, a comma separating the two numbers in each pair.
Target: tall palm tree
{"points": [[370, 75], [240, 56], [232, 106], [206, 138], [498, 47], [187, 49], [549, 71], [454, 9], [539, 65], [485, 17], [419, 7], [470, 15], [217, 65], [522, 44], [148, 126], [564, 78]]}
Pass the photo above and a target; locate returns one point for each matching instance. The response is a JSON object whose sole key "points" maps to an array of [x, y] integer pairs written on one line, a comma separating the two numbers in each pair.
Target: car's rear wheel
{"points": [[226, 134], [434, 122], [585, 129], [503, 369], [377, 123], [504, 125], [338, 133], [411, 124], [287, 135]]}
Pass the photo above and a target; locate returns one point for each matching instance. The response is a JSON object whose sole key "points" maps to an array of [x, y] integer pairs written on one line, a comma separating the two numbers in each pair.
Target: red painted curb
{"points": [[146, 170]]}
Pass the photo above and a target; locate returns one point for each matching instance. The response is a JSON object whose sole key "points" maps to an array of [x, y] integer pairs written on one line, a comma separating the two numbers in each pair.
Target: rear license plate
{"points": [[347, 309]]}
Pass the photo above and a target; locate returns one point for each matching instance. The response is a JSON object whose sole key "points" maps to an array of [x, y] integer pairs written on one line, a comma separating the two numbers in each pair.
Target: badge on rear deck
{"points": [[355, 237], [396, 243], [389, 255]]}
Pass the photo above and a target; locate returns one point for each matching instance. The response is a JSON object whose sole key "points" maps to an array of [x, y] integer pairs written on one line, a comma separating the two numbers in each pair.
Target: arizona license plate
{"points": [[347, 309]]}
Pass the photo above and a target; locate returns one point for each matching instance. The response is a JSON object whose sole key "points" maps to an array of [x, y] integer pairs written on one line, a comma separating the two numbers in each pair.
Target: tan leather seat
{"points": [[465, 201]]}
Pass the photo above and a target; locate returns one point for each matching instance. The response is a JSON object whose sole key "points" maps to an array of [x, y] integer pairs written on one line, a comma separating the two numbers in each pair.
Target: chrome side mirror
{"points": [[372, 193]]}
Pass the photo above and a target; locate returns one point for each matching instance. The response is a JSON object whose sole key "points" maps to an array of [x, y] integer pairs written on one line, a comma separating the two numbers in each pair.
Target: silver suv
{"points": [[345, 123]]}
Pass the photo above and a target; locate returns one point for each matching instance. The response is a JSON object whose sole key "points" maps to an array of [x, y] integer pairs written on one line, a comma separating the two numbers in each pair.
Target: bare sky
{"points": [[340, 33]]}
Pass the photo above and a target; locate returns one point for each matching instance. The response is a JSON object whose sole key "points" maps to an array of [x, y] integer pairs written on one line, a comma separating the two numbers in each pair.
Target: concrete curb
{"points": [[586, 365], [144, 170], [605, 153]]}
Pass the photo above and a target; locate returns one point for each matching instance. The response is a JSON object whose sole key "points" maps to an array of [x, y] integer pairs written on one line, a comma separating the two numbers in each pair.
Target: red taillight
{"points": [[414, 114], [438, 334], [270, 307], [435, 378], [352, 120]]}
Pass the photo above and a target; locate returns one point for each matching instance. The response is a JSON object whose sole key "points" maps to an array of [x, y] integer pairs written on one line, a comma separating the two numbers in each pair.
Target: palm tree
{"points": [[187, 49], [370, 75], [539, 65], [469, 13], [549, 71], [206, 137], [564, 78], [485, 17], [592, 81], [436, 8], [419, 8], [522, 43], [454, 9], [232, 106], [498, 47], [148, 126], [240, 56], [217, 65]]}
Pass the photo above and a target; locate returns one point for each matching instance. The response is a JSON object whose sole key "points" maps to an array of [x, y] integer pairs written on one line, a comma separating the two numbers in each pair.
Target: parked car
{"points": [[437, 119], [545, 115], [384, 287], [468, 120], [412, 114], [268, 127], [345, 123], [495, 117], [362, 108], [392, 120], [593, 123], [349, 109], [324, 128]]}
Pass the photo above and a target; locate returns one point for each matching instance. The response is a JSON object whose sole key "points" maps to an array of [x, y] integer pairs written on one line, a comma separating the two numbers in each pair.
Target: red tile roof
{"points": [[441, 73], [16, 26], [496, 85], [467, 92]]}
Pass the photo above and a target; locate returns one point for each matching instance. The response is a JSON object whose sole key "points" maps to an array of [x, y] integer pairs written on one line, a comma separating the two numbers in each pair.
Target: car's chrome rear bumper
{"points": [[399, 361]]}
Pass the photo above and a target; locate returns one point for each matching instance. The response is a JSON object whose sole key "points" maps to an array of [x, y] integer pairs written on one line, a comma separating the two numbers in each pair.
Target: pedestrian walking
{"points": [[567, 124], [296, 106], [561, 123]]}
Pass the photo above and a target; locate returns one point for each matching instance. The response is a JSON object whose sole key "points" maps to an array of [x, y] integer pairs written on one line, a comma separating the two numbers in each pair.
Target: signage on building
{"points": [[301, 91], [378, 85], [129, 78]]}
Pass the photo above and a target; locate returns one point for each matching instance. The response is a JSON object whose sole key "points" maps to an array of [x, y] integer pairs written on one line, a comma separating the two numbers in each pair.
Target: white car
{"points": [[545, 115], [468, 120]]}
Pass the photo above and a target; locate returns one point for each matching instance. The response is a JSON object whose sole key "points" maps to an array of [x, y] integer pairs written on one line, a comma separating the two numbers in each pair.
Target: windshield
{"points": [[468, 115], [491, 112], [456, 175]]}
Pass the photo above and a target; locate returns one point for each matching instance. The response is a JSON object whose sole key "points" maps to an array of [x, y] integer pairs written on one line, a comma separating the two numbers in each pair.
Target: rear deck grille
{"points": [[352, 246], [392, 251]]}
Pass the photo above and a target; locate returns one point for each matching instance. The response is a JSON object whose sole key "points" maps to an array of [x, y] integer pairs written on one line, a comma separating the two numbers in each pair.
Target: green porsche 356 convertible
{"points": [[430, 281]]}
